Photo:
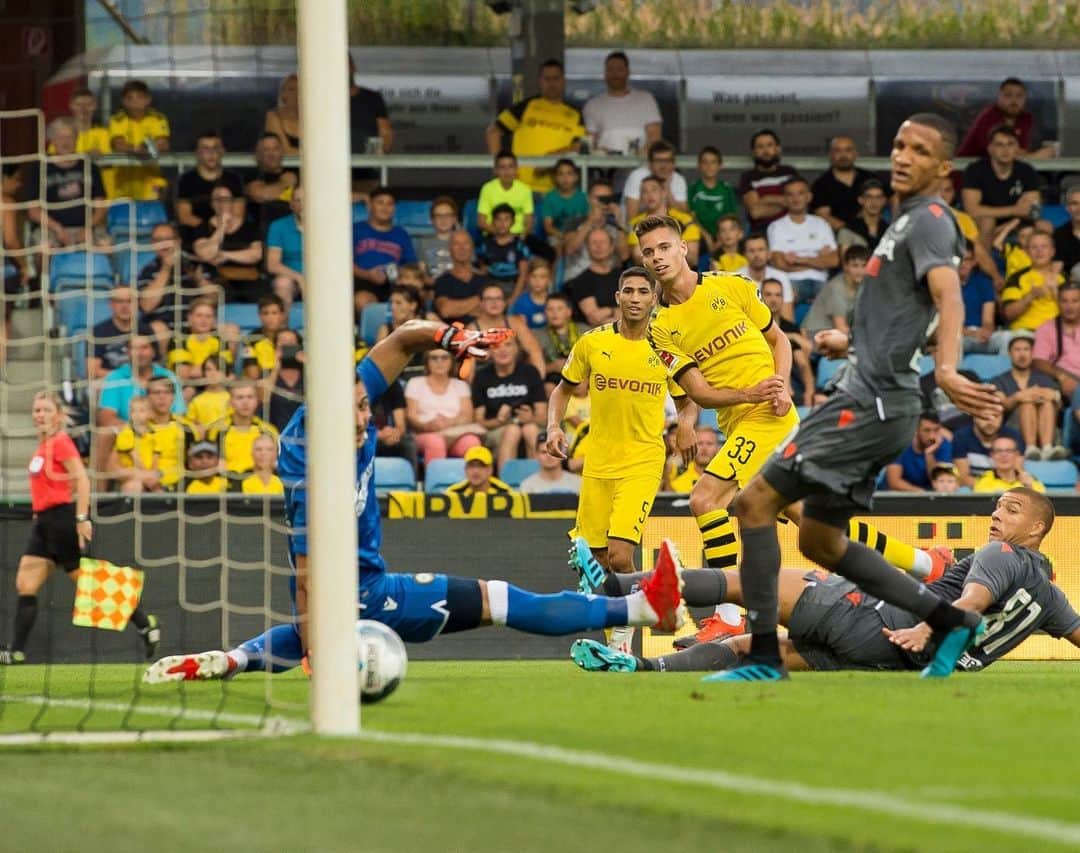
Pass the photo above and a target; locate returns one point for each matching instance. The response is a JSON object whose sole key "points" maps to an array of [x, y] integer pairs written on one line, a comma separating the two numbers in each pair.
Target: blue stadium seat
{"points": [[393, 474], [77, 312], [128, 263], [296, 316], [827, 368], [926, 364], [1055, 213], [74, 270], [440, 473], [147, 214], [374, 316], [243, 314], [1054, 474], [470, 219], [985, 366], [359, 212], [414, 217], [803, 411], [707, 417], [515, 470]]}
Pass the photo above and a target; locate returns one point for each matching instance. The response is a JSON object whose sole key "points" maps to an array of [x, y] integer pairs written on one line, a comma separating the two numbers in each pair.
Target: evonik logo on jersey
{"points": [[720, 342], [618, 383]]}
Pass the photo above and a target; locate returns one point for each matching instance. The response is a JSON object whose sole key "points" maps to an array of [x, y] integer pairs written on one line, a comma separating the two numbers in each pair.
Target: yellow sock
{"points": [[897, 552], [718, 535]]}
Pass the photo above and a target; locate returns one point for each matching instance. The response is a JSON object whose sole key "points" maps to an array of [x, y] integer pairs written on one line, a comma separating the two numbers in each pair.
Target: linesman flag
{"points": [[105, 595]]}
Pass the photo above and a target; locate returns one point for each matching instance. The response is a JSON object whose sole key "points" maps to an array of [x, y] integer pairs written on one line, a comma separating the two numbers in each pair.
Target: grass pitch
{"points": [[538, 756]]}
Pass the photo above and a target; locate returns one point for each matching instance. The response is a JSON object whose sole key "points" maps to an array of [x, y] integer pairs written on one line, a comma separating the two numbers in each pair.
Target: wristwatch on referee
{"points": [[79, 519]]}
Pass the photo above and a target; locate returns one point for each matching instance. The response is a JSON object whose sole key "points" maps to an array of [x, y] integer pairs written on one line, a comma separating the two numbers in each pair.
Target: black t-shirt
{"points": [[842, 200], [786, 326], [600, 286], [237, 241], [110, 343], [365, 108], [858, 226], [452, 287], [65, 184], [995, 191], [524, 385], [263, 213], [284, 400], [1066, 247], [194, 188], [174, 303], [382, 412]]}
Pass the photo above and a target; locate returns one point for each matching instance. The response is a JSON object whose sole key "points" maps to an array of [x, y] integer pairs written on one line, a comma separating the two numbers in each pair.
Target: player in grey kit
{"points": [[835, 456], [833, 625]]}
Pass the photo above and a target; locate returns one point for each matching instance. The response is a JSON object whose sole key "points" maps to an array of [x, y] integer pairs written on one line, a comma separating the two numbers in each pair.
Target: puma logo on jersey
{"points": [[605, 353]]}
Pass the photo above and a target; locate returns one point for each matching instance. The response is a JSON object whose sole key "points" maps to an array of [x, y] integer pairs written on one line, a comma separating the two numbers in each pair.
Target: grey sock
{"points": [[866, 568], [704, 657], [704, 587], [760, 573]]}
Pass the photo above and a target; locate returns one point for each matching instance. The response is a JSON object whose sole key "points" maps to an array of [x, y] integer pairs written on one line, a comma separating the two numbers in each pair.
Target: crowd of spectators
{"points": [[183, 401]]}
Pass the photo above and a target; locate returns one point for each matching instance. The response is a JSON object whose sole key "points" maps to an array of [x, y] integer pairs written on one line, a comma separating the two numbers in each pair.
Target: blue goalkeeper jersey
{"points": [[292, 468]]}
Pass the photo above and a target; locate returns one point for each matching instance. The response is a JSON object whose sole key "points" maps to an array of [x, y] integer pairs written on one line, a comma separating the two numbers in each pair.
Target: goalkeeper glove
{"points": [[468, 344]]}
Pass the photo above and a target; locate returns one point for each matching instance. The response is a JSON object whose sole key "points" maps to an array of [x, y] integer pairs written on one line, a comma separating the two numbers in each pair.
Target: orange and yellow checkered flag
{"points": [[105, 595]]}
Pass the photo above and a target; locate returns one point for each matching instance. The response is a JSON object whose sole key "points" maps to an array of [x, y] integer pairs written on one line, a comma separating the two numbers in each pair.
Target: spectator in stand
{"points": [[944, 479], [285, 384], [502, 255], [682, 480], [660, 164], [1032, 401], [284, 120], [404, 306], [970, 231], [762, 188], [195, 188], [1057, 345], [434, 250], [506, 189], [1029, 297], [972, 445], [233, 246], [981, 334], [388, 418], [169, 282], [867, 226], [285, 252], [138, 129], [564, 205], [479, 479], [593, 291], [236, 435], [1011, 241], [76, 210], [259, 348], [1067, 236], [711, 199], [133, 462], [16, 269], [836, 302], [271, 189], [756, 249], [510, 403], [654, 203], [604, 213], [189, 352], [130, 380], [1008, 109], [379, 248], [439, 410], [530, 305], [92, 138], [558, 337], [836, 191], [457, 292], [802, 244], [1006, 472], [727, 256], [772, 294], [263, 480], [552, 478], [173, 434], [370, 130], [622, 120], [210, 406], [492, 315], [539, 126], [203, 475], [1000, 186], [110, 337], [930, 447]]}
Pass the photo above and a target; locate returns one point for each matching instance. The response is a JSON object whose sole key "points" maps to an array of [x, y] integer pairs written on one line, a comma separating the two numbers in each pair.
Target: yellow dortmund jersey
{"points": [[628, 385], [1039, 310], [684, 481], [990, 482], [719, 331], [691, 233], [260, 348], [1016, 260], [730, 262], [138, 182], [131, 446], [192, 350], [209, 407], [170, 443], [235, 442], [254, 485], [216, 485], [539, 127]]}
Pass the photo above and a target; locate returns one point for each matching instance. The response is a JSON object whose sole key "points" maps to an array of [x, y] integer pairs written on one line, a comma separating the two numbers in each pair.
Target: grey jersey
{"points": [[1025, 600], [894, 309]]}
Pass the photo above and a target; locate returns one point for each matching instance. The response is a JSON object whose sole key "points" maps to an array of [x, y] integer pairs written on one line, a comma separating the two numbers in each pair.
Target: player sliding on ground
{"points": [[418, 607], [832, 624]]}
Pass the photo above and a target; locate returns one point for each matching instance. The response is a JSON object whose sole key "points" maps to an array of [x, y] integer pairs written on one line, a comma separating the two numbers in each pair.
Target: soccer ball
{"points": [[382, 660]]}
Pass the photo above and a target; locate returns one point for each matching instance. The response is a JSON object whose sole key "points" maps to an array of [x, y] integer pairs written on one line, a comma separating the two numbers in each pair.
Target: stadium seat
{"points": [[414, 217], [374, 316], [359, 212], [74, 270], [1055, 474], [986, 367], [926, 364], [515, 470], [76, 313], [243, 314], [1055, 213], [147, 214], [296, 316], [440, 473], [827, 368], [470, 219], [803, 411], [128, 263], [393, 474], [707, 417]]}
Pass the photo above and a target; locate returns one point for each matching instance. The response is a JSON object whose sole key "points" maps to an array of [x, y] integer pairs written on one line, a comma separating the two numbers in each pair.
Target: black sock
{"points": [[704, 657], [868, 570], [704, 587], [945, 617], [25, 614], [617, 586], [139, 619], [760, 577], [645, 665]]}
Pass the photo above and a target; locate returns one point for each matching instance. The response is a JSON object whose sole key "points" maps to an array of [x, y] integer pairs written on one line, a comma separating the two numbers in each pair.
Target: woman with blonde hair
{"points": [[284, 119]]}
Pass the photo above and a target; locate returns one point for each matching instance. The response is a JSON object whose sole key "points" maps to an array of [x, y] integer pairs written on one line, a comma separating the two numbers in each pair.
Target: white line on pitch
{"points": [[869, 801]]}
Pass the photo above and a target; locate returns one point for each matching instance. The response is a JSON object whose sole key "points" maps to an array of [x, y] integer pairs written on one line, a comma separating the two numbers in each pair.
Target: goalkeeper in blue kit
{"points": [[422, 606]]}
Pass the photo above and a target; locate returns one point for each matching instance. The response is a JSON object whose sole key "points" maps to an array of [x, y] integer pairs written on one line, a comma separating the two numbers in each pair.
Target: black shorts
{"points": [[833, 626], [53, 537], [835, 458]]}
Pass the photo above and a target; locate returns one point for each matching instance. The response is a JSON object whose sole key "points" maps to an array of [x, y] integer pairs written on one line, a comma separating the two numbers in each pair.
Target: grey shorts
{"points": [[834, 459], [833, 628]]}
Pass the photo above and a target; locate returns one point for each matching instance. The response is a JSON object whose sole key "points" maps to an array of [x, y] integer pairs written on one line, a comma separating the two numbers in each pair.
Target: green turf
{"points": [[998, 742]]}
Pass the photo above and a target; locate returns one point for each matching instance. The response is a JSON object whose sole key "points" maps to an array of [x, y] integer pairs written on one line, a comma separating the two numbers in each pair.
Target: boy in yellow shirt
{"points": [[138, 129], [210, 407]]}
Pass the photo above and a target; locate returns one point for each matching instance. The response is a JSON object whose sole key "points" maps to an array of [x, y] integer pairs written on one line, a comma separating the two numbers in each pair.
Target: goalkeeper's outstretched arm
{"points": [[393, 352]]}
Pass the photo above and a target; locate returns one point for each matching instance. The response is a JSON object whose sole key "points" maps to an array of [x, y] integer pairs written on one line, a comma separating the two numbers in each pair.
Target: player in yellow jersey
{"points": [[628, 385]]}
